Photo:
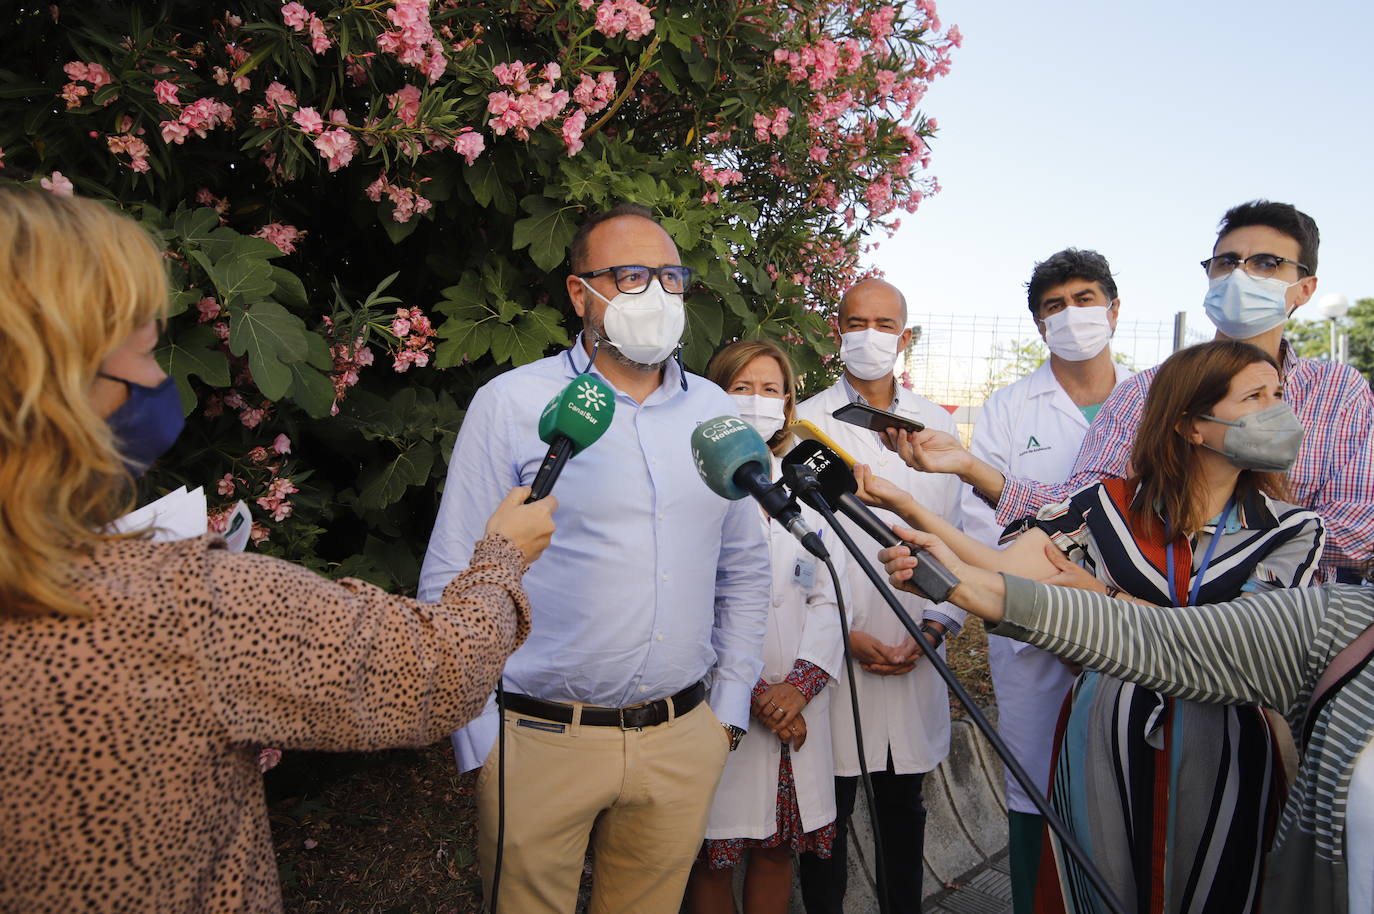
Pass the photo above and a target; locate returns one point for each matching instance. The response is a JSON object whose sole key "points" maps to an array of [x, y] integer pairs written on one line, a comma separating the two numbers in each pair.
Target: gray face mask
{"points": [[1266, 441]]}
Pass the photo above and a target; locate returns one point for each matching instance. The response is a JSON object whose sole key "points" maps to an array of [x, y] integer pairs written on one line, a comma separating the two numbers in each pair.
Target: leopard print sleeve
{"points": [[299, 662]]}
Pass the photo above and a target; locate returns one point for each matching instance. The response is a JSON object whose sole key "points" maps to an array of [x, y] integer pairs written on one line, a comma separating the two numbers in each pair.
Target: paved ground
{"points": [[986, 891]]}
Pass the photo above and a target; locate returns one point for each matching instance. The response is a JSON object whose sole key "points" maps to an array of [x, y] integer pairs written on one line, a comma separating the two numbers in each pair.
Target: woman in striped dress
{"points": [[1174, 800]]}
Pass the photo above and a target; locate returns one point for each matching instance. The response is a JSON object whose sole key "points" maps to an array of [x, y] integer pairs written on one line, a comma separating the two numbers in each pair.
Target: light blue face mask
{"points": [[1242, 306]]}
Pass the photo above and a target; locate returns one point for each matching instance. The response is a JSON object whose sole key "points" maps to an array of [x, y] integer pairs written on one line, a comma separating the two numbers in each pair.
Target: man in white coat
{"points": [[903, 703], [1032, 430]]}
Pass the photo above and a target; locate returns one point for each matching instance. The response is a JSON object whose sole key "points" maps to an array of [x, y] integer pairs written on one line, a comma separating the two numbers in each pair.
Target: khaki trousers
{"points": [[641, 797]]}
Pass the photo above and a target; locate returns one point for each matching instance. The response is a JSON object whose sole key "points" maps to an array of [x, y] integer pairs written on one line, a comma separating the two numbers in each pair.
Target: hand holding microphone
{"points": [[529, 526], [833, 482], [571, 421]]}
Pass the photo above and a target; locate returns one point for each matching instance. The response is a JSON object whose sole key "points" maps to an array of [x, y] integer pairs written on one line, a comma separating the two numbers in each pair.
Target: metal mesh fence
{"points": [[958, 360]]}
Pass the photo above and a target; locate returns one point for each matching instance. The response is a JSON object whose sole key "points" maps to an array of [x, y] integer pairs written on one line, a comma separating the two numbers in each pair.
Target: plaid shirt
{"points": [[1333, 475]]}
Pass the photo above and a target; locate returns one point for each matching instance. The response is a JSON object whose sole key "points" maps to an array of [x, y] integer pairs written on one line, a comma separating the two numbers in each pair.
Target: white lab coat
{"points": [[803, 623], [1033, 430], [908, 714]]}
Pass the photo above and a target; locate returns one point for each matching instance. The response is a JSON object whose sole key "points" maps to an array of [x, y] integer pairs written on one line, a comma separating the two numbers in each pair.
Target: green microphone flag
{"points": [[572, 421]]}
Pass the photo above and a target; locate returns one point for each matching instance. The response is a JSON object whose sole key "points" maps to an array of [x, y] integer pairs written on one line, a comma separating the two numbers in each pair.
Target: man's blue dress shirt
{"points": [[652, 582]]}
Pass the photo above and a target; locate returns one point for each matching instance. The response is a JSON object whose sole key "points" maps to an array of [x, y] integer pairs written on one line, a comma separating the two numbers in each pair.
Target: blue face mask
{"points": [[148, 423], [1243, 306]]}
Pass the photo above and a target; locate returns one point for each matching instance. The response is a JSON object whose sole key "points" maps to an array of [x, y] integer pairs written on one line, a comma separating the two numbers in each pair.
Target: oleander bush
{"points": [[366, 205]]}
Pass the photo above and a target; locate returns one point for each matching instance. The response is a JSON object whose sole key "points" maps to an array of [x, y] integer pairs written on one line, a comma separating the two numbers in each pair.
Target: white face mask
{"points": [[765, 414], [645, 326], [1243, 306], [869, 354], [1076, 334]]}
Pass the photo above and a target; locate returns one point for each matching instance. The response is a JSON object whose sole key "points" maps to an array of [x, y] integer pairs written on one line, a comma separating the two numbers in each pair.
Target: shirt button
{"points": [[777, 601], [665, 575], [658, 637], [660, 516], [643, 688]]}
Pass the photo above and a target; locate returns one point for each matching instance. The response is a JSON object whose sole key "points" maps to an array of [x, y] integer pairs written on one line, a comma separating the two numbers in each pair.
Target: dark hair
{"points": [[1189, 384], [1284, 218], [1070, 263], [577, 252]]}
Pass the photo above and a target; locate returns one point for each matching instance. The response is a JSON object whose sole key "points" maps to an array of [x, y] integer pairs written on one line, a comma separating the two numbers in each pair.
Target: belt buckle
{"points": [[623, 728]]}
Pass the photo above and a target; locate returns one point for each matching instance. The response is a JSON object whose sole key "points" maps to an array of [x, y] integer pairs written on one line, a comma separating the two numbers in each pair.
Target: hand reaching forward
{"points": [[930, 451], [530, 527], [876, 491]]}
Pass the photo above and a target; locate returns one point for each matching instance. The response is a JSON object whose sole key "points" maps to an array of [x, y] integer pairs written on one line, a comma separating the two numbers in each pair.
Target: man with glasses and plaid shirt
{"points": [[1263, 268], [648, 607]]}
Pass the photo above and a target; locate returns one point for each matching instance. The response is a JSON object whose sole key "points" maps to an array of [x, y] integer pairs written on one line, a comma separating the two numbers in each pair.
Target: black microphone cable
{"points": [[879, 867], [500, 793], [1052, 818]]}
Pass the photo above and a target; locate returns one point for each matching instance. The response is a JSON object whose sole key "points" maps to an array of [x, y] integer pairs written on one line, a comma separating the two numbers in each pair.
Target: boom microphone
{"points": [[732, 459], [832, 480], [574, 419]]}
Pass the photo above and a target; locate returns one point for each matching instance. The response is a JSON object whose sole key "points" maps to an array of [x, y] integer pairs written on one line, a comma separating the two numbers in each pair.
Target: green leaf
{"points": [[487, 187], [289, 290], [463, 341], [705, 326], [311, 389], [242, 279], [194, 226], [272, 338], [547, 231], [399, 231], [526, 338], [194, 352], [381, 486]]}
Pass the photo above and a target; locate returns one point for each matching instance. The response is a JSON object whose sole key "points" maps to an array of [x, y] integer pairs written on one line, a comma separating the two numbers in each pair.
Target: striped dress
{"points": [[1175, 801], [1271, 648]]}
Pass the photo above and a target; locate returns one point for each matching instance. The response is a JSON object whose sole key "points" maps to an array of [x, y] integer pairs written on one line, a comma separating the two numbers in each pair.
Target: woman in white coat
{"points": [[776, 796]]}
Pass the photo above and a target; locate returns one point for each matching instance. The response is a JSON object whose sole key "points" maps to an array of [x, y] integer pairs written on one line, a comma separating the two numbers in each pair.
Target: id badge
{"points": [[804, 572]]}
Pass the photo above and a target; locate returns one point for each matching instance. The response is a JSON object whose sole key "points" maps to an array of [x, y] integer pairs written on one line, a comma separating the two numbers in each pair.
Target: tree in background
{"points": [[1313, 338], [367, 205]]}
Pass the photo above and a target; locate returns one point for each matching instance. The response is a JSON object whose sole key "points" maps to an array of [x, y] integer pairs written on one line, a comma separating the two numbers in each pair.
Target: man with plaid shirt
{"points": [[1275, 246]]}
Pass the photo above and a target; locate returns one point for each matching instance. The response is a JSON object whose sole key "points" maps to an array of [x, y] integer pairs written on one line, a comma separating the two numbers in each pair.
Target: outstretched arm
{"points": [[1024, 557]]}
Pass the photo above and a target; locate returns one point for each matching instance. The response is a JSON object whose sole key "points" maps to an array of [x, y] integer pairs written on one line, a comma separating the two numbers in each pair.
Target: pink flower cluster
{"points": [[406, 202], [282, 235], [249, 416], [405, 104], [766, 127], [720, 177], [349, 359], [413, 40], [530, 105], [221, 77], [594, 94], [336, 146], [74, 92], [260, 470], [276, 502], [302, 20], [415, 335], [614, 17], [205, 198], [469, 144], [58, 184], [128, 141], [199, 117]]}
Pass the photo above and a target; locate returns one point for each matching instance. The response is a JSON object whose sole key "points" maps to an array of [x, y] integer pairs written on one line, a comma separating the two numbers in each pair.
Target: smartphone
{"points": [[875, 420]]}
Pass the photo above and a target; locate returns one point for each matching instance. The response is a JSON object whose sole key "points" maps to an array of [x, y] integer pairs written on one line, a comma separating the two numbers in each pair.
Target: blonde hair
{"points": [[726, 365], [76, 279]]}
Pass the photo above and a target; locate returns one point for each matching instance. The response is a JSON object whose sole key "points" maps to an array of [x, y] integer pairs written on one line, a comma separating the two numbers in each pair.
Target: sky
{"points": [[1130, 128]]}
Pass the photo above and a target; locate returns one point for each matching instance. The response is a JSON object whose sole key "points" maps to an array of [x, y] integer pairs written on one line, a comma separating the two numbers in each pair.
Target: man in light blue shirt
{"points": [[652, 594]]}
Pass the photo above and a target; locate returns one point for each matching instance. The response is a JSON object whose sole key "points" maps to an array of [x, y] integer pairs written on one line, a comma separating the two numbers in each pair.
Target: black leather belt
{"points": [[635, 718]]}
